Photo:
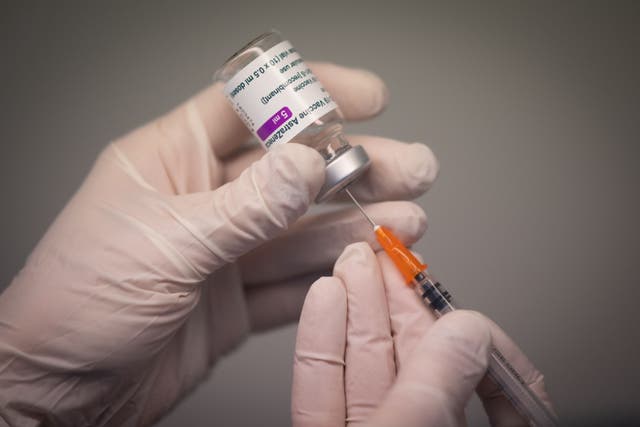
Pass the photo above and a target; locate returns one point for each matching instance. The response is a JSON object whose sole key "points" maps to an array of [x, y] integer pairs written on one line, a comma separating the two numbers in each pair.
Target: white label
{"points": [[277, 96]]}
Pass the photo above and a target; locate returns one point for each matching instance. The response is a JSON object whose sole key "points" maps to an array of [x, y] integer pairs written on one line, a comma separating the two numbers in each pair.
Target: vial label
{"points": [[277, 96]]}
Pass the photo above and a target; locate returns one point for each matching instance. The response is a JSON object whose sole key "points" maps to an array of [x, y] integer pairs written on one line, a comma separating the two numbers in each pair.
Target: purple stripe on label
{"points": [[274, 122]]}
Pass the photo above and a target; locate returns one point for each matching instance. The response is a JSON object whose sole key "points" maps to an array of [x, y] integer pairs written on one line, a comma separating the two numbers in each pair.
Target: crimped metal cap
{"points": [[342, 171]]}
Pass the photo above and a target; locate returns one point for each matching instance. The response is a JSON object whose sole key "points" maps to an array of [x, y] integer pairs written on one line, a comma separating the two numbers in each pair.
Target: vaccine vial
{"points": [[280, 100]]}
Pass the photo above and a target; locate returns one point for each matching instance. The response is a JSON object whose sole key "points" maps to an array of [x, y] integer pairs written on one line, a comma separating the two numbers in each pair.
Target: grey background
{"points": [[532, 109]]}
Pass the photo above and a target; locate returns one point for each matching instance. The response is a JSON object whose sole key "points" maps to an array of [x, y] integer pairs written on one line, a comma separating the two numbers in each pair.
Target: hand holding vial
{"points": [[182, 240]]}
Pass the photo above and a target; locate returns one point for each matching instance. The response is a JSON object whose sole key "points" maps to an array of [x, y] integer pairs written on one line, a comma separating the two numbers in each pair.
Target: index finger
{"points": [[370, 368], [317, 395], [408, 315]]}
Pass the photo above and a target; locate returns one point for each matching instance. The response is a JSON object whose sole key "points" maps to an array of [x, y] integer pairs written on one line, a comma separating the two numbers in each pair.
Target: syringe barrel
{"points": [[436, 297], [432, 293], [518, 392]]}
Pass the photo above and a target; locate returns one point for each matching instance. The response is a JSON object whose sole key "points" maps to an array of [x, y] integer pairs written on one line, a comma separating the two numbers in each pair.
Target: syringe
{"points": [[439, 300]]}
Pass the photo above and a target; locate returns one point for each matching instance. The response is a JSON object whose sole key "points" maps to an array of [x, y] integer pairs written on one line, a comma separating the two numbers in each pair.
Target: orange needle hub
{"points": [[402, 257]]}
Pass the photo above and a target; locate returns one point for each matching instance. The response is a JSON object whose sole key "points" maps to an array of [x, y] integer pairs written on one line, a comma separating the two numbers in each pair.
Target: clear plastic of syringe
{"points": [[434, 295]]}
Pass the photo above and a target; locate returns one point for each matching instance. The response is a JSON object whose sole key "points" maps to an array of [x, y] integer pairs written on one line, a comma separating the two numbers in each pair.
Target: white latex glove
{"points": [[150, 273], [369, 353]]}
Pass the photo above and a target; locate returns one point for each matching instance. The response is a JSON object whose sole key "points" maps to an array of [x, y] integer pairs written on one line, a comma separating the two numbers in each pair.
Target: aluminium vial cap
{"points": [[342, 170]]}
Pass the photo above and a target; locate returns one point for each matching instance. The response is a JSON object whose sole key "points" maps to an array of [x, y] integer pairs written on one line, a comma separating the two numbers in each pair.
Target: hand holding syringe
{"points": [[263, 81], [440, 301]]}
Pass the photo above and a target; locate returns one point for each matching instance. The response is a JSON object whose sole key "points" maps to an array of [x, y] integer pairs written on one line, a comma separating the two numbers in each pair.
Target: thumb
{"points": [[438, 380], [263, 201]]}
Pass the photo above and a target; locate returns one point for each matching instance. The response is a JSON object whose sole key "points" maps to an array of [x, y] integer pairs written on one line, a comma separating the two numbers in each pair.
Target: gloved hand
{"points": [[154, 269], [369, 353]]}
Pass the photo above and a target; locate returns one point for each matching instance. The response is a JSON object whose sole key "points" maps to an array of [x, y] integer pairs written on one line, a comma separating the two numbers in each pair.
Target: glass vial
{"points": [[281, 101]]}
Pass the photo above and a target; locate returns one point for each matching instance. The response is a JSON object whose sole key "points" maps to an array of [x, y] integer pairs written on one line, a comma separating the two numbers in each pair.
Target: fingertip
{"points": [[406, 219], [418, 220], [398, 171], [306, 161], [414, 224], [467, 333], [359, 93], [354, 255], [421, 167], [296, 171], [479, 317], [327, 294], [468, 322], [379, 93]]}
